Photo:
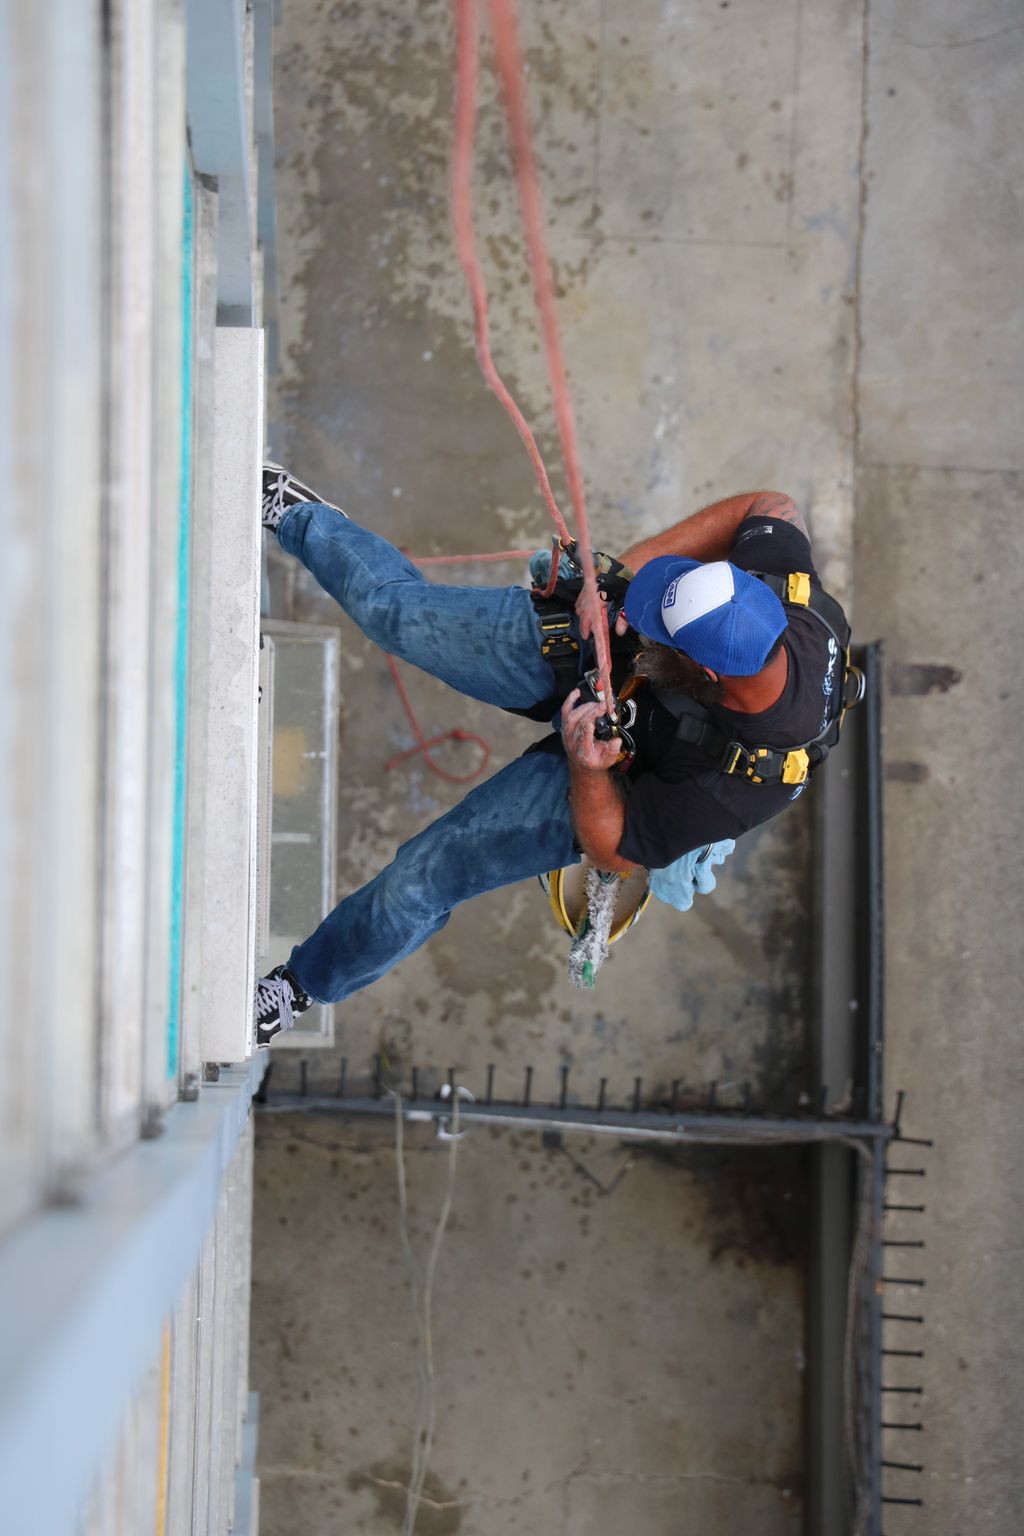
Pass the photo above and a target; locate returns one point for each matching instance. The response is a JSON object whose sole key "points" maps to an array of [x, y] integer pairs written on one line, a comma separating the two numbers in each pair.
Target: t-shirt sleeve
{"points": [[665, 819], [771, 544]]}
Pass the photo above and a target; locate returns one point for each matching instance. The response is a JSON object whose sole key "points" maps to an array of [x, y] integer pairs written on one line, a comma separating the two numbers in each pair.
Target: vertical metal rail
{"points": [[870, 1300], [845, 1189]]}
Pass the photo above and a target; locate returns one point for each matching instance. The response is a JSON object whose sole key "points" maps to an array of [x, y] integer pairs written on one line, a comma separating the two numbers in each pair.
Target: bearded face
{"points": [[668, 668]]}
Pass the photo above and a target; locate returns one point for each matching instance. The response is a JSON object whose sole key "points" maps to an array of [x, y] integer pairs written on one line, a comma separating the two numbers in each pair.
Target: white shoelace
{"points": [[273, 501], [274, 994]]}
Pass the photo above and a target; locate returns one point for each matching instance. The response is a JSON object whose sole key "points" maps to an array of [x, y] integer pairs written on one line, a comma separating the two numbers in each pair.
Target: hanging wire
{"points": [[425, 1418]]}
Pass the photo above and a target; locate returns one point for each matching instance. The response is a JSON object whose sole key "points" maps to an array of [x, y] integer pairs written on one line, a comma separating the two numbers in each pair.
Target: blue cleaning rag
{"points": [[677, 883]]}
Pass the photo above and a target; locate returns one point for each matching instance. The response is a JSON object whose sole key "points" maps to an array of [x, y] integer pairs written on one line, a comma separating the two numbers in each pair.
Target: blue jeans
{"points": [[484, 641]]}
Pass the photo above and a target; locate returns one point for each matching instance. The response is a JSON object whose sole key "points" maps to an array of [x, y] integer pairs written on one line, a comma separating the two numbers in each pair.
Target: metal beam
{"points": [[723, 1128]]}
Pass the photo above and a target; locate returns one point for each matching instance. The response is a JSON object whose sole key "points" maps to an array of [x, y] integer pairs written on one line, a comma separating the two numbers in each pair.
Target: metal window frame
{"points": [[329, 637], [219, 115]]}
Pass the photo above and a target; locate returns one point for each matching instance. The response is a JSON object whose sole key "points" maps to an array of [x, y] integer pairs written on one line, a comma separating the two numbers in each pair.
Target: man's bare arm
{"points": [[598, 812], [599, 817], [708, 534]]}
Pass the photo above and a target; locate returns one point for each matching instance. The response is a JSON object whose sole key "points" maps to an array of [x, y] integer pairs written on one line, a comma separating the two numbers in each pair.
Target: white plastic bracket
{"points": [[444, 1132]]}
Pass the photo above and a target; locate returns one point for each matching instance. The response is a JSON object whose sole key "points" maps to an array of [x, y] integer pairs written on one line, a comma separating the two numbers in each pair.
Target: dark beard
{"points": [[667, 668]]}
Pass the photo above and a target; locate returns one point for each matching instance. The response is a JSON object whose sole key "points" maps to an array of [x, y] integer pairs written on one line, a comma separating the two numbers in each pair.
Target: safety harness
{"points": [[556, 609], [775, 765], [556, 615], [695, 723]]}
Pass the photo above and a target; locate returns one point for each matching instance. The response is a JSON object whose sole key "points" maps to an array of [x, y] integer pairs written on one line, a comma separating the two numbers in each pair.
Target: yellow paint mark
{"points": [[164, 1449], [291, 761]]}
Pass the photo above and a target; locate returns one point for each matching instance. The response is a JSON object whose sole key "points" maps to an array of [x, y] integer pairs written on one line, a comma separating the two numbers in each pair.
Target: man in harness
{"points": [[731, 676]]}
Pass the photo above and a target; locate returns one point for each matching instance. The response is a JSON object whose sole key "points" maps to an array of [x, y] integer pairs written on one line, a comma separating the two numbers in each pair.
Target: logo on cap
{"points": [[694, 594]]}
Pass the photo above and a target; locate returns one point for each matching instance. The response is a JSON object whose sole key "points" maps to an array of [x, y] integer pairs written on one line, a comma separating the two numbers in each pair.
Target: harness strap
{"points": [[796, 591], [758, 764], [556, 615]]}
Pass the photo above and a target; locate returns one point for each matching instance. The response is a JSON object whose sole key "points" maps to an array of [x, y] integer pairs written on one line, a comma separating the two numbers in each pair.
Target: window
{"points": [[303, 815]]}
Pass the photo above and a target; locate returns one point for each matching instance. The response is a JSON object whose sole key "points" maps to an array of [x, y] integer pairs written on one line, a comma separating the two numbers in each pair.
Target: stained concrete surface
{"points": [[689, 304], [695, 293], [940, 572], [588, 1365], [949, 596], [785, 242]]}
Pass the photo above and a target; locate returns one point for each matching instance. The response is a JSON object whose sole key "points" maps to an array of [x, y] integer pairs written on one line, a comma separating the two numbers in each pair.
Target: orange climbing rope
{"points": [[501, 554], [466, 71], [508, 59], [510, 71]]}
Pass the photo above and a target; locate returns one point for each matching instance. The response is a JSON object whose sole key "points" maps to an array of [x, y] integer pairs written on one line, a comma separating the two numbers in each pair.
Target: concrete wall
{"points": [[125, 1197]]}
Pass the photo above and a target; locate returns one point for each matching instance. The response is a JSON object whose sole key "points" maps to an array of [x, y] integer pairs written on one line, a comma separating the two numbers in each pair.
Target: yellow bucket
{"points": [[566, 891]]}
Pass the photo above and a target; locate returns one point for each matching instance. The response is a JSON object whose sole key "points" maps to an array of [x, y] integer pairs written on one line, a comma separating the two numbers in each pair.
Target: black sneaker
{"points": [[278, 1002], [281, 491]]}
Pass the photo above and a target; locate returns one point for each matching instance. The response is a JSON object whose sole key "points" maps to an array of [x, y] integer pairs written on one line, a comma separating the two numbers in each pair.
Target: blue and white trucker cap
{"points": [[718, 615]]}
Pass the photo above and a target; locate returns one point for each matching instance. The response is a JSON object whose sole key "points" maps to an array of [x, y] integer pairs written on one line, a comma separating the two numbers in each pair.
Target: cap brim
{"points": [[645, 593]]}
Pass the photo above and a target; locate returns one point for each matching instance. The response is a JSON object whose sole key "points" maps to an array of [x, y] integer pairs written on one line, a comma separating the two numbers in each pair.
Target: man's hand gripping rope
{"points": [[579, 725]]}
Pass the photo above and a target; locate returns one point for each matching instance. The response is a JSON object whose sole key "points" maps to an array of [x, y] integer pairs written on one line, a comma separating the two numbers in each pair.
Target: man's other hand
{"points": [[583, 614]]}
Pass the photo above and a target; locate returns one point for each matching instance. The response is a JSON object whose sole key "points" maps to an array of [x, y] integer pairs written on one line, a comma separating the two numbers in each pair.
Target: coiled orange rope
{"points": [[424, 743]]}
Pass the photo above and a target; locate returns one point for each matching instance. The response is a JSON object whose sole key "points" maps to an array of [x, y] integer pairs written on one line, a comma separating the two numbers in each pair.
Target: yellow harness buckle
{"points": [[796, 767], [745, 760], [799, 588], [557, 636], [757, 753]]}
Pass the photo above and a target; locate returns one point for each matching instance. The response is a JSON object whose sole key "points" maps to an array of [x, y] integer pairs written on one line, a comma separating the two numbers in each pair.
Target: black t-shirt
{"points": [[675, 802]]}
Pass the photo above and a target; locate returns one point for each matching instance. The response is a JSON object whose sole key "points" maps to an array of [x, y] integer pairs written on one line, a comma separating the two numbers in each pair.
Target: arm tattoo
{"points": [[774, 504]]}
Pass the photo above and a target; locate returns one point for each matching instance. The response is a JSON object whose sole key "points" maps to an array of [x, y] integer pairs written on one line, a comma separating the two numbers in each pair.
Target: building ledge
{"points": [[87, 1287]]}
